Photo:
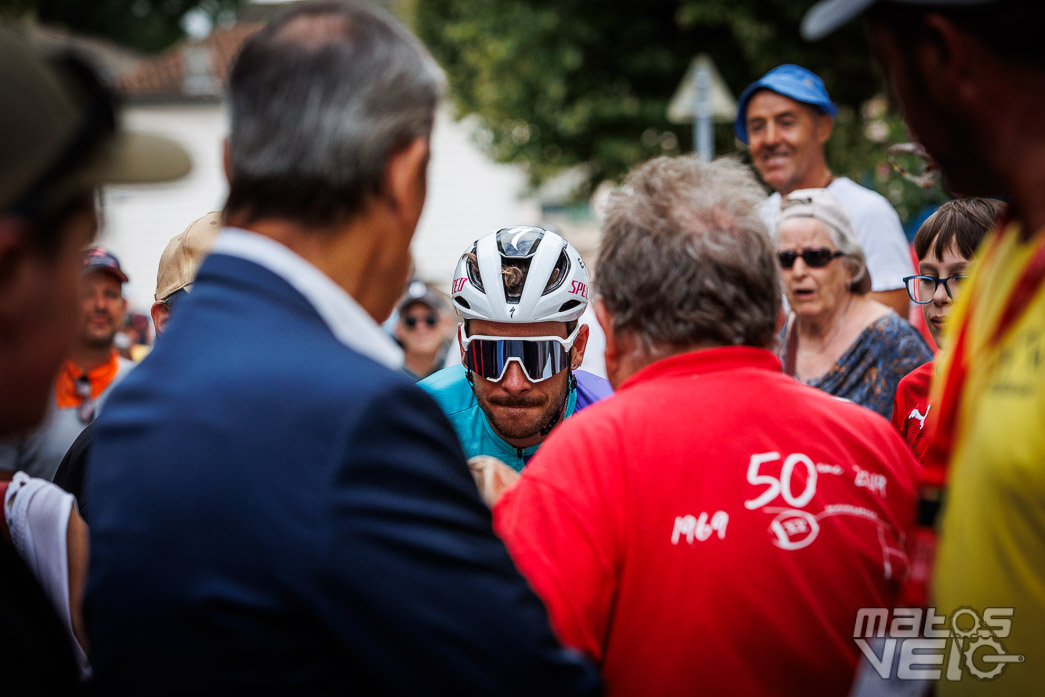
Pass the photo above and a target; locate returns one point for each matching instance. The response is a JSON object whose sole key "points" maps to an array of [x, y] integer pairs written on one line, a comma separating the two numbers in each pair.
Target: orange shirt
{"points": [[65, 386]]}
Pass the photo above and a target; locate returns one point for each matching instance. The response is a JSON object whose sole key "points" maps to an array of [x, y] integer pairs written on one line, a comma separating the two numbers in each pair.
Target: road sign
{"points": [[701, 98]]}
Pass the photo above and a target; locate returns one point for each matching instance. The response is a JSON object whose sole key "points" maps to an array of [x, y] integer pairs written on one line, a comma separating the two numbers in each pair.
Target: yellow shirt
{"points": [[992, 534]]}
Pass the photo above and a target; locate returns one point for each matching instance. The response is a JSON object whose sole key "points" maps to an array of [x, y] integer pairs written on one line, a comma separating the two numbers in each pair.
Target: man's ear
{"points": [[226, 160], [825, 125], [406, 180], [606, 322], [579, 344], [14, 234], [950, 59], [14, 251], [459, 344], [161, 314]]}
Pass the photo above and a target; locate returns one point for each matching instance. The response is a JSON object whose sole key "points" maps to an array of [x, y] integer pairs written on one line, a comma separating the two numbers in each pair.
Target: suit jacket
{"points": [[273, 510]]}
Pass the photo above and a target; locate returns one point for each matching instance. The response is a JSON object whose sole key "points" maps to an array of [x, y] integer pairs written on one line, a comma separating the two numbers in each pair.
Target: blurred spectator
{"points": [[837, 338], [174, 278], [968, 77], [91, 369], [424, 329], [58, 142], [945, 244], [274, 505], [179, 264], [134, 338], [786, 117], [711, 498]]}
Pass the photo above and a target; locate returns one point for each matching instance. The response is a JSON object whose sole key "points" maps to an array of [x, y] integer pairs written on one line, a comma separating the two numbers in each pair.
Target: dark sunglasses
{"points": [[85, 412], [540, 357], [814, 258], [411, 321]]}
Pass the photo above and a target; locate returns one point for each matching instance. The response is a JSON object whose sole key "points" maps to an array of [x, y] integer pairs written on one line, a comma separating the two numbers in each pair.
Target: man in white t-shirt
{"points": [[785, 118]]}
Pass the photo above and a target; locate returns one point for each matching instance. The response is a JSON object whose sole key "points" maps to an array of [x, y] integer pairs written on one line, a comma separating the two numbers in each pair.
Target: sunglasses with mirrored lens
{"points": [[540, 357], [412, 321], [814, 258]]}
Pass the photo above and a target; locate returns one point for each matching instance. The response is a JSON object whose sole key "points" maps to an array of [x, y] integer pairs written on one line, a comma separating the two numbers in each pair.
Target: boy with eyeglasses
{"points": [[521, 292], [945, 245]]}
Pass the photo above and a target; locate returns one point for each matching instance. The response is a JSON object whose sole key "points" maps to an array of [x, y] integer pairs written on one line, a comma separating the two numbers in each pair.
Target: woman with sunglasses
{"points": [[836, 338]]}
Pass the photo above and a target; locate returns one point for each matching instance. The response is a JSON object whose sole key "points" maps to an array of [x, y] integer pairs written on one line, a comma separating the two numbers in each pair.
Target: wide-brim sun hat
{"points": [[50, 121]]}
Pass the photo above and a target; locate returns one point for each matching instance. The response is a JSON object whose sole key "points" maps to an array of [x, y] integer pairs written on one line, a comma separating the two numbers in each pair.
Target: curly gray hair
{"points": [[685, 259]]}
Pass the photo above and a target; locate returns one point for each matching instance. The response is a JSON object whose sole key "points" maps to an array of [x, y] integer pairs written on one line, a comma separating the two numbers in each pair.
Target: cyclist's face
{"points": [[951, 264], [516, 408]]}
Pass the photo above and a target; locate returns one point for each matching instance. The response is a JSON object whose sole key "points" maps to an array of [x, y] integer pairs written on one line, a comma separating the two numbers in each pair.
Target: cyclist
{"points": [[520, 292]]}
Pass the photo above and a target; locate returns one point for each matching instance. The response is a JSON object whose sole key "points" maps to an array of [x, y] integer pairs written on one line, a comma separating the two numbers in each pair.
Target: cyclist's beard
{"points": [[541, 410]]}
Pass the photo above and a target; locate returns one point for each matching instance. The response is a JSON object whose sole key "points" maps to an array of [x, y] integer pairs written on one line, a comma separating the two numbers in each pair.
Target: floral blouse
{"points": [[871, 368]]}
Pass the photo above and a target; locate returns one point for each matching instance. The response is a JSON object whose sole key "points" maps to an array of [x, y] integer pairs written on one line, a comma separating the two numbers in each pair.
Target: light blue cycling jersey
{"points": [[450, 389]]}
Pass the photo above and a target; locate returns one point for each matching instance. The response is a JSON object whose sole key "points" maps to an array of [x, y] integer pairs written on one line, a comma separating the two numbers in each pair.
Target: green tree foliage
{"points": [[146, 25], [564, 83]]}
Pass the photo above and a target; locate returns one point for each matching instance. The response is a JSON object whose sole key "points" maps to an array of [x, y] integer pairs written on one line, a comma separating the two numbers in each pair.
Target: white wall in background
{"points": [[468, 196]]}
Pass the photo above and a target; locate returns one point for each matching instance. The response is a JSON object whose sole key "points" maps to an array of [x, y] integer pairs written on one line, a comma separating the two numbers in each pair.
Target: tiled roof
{"points": [[168, 77], [110, 59]]}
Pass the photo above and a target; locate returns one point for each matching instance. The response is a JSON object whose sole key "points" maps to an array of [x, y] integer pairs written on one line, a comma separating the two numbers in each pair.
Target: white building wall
{"points": [[141, 219], [468, 196]]}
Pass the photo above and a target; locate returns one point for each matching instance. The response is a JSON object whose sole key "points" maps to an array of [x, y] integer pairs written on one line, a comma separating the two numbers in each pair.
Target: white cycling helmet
{"points": [[555, 288]]}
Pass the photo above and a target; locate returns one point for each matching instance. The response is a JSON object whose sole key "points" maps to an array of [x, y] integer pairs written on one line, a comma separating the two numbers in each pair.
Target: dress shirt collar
{"points": [[348, 321]]}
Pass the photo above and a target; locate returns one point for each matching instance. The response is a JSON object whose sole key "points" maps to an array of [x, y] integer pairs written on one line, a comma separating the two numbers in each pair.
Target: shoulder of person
{"points": [[593, 387], [768, 209], [860, 200], [449, 388]]}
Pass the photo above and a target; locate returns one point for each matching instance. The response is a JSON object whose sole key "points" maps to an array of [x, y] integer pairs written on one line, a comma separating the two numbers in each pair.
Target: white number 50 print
{"points": [[780, 486]]}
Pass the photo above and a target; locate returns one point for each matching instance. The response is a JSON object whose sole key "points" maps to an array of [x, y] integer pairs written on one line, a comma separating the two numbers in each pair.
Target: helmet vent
{"points": [[569, 305], [472, 270], [463, 303], [559, 273], [514, 275]]}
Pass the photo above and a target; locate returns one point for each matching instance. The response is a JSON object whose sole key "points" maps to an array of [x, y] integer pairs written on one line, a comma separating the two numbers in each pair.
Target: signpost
{"points": [[703, 98]]}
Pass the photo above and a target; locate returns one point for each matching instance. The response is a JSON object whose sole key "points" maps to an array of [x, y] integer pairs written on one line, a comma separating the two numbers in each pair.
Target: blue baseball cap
{"points": [[792, 81]]}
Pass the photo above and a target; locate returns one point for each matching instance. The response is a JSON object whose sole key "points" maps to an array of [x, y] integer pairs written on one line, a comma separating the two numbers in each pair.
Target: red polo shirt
{"points": [[714, 527]]}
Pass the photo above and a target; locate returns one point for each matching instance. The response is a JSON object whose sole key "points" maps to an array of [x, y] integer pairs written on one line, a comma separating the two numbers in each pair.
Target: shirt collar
{"points": [[346, 318], [705, 361], [99, 378]]}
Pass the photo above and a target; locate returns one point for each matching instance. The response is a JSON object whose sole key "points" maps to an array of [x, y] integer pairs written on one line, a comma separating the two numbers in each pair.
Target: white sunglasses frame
{"points": [[566, 343]]}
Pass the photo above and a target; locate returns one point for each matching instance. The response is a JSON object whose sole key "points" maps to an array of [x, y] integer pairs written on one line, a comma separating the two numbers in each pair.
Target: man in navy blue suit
{"points": [[275, 506]]}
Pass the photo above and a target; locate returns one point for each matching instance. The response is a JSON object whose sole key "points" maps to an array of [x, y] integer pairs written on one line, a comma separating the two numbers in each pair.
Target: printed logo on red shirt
{"points": [[919, 416]]}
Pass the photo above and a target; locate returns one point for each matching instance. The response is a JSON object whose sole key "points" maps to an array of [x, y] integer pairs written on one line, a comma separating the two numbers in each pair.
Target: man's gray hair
{"points": [[686, 261], [320, 99]]}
